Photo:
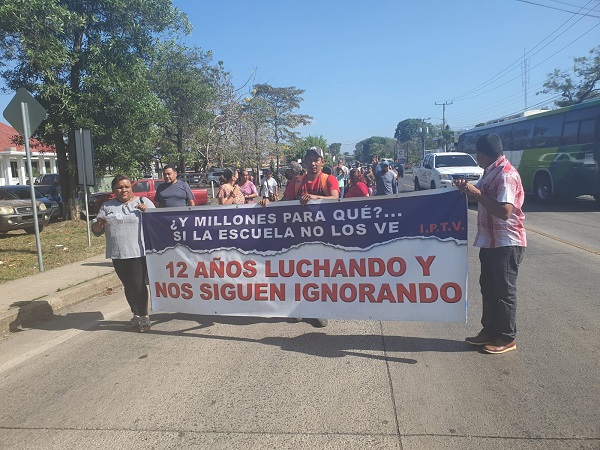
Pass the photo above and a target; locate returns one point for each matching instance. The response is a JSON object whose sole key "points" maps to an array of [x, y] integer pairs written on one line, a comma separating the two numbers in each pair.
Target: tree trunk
{"points": [[68, 182]]}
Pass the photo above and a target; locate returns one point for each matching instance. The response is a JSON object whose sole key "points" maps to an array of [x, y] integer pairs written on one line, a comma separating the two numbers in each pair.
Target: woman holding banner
{"points": [[120, 220]]}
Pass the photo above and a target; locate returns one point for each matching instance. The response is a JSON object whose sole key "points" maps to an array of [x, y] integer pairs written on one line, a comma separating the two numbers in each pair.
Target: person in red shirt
{"points": [[315, 184], [312, 186], [358, 186]]}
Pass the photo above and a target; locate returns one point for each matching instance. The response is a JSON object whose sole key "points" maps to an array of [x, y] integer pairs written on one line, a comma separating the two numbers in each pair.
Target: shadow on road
{"points": [[99, 264], [585, 203], [313, 343], [318, 344]]}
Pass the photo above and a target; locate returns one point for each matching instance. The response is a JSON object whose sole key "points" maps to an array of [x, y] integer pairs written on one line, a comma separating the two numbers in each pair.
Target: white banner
{"points": [[381, 258]]}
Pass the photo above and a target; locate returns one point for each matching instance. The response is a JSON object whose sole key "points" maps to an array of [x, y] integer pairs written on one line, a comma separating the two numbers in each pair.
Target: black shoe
{"points": [[318, 323], [481, 339]]}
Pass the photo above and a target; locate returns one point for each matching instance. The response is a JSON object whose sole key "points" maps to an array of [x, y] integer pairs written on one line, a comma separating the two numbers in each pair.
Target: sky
{"points": [[367, 65]]}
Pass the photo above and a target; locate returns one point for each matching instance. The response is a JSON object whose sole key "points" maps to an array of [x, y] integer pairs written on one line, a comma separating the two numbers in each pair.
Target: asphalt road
{"points": [[81, 381]]}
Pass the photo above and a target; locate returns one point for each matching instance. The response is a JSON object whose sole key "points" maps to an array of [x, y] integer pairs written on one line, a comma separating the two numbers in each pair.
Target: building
{"points": [[13, 161]]}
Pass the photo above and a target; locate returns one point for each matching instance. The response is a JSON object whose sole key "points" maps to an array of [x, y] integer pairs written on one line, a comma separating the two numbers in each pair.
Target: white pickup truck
{"points": [[441, 169]]}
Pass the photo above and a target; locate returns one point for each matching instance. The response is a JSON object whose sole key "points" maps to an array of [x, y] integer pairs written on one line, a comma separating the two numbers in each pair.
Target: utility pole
{"points": [[525, 77], [444, 118], [424, 130]]}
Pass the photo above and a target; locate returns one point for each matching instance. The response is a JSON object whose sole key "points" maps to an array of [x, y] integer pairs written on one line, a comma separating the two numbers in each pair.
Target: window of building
{"points": [[14, 169]]}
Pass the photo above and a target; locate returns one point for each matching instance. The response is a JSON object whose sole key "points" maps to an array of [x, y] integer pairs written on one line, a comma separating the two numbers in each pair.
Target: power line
{"points": [[558, 9], [517, 63], [538, 64]]}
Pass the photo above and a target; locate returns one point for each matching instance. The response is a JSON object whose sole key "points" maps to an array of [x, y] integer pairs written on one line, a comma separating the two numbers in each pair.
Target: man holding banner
{"points": [[314, 185]]}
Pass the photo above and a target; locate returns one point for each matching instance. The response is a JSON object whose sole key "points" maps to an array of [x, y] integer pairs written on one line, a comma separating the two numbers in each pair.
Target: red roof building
{"points": [[13, 160]]}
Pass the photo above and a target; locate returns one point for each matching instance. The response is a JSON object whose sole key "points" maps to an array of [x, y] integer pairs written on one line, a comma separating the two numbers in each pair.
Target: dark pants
{"points": [[133, 273], [498, 281]]}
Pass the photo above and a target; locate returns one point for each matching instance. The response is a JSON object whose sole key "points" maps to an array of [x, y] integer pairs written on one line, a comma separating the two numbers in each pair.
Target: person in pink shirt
{"points": [[247, 187], [502, 240]]}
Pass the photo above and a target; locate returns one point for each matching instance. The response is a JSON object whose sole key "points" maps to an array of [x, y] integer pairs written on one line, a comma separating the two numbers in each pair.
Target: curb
{"points": [[43, 308]]}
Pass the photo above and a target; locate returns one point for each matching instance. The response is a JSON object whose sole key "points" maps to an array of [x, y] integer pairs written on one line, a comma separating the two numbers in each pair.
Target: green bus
{"points": [[557, 153]]}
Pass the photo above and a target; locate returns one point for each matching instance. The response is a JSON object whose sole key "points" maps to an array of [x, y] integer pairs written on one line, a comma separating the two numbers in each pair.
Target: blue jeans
{"points": [[498, 281]]}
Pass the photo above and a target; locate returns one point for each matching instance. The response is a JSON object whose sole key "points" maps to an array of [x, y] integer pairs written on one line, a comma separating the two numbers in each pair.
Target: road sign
{"points": [[25, 114], [12, 113], [85, 157]]}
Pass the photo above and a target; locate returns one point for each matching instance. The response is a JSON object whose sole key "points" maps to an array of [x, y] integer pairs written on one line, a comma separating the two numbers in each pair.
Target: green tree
{"points": [[579, 85], [300, 145], [64, 53], [383, 147], [335, 150], [416, 134], [220, 137], [181, 78], [277, 108], [252, 133]]}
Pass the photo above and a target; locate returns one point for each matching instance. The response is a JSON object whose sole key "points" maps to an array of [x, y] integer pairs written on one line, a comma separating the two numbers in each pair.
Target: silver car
{"points": [[16, 214]]}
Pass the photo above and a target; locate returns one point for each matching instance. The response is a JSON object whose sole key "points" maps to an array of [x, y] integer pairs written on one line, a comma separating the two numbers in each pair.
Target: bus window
{"points": [[467, 142], [547, 131], [587, 131], [505, 133], [579, 114], [522, 134], [569, 135]]}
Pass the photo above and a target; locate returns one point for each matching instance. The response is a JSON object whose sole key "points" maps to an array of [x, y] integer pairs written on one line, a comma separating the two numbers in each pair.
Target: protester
{"points": [[294, 170], [386, 180], [312, 186], [120, 219], [341, 178], [173, 192], [247, 187], [269, 188], [328, 170], [358, 186], [55, 194], [345, 169], [370, 180], [502, 240], [229, 192]]}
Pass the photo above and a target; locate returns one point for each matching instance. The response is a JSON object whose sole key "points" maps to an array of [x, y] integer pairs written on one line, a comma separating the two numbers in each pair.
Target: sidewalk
{"points": [[38, 297]]}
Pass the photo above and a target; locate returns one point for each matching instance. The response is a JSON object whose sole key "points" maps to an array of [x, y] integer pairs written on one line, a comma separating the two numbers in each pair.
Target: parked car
{"points": [[47, 178], [24, 193], [95, 201], [214, 176], [17, 214]]}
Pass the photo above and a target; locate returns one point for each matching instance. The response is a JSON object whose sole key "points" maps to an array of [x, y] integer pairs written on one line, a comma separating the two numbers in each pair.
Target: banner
{"points": [[401, 257]]}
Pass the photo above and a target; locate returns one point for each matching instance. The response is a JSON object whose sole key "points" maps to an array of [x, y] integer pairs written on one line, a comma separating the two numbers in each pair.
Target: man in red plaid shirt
{"points": [[502, 241]]}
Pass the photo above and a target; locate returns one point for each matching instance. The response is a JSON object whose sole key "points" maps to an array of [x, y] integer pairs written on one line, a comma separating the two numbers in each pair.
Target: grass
{"points": [[62, 243]]}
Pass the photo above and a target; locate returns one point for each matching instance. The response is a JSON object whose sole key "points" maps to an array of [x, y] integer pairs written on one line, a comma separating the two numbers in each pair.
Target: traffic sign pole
{"points": [[26, 135], [25, 114], [81, 165]]}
